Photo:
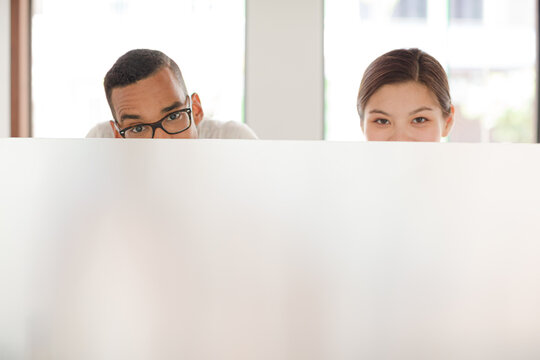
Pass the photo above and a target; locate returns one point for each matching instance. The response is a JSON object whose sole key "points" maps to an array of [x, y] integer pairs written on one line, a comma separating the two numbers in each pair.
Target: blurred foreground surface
{"points": [[268, 250]]}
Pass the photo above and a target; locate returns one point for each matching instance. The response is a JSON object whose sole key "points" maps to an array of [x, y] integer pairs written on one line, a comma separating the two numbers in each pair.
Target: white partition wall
{"points": [[268, 250], [284, 69]]}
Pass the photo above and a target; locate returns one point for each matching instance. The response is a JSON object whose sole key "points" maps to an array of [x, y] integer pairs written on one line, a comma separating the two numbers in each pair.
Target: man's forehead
{"points": [[126, 99], [148, 96], [161, 83]]}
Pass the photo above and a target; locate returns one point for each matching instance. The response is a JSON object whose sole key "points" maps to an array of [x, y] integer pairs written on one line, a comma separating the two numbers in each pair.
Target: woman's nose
{"points": [[399, 135]]}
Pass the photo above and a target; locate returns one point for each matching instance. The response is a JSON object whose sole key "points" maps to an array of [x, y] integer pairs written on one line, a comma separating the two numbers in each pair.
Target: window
{"points": [[466, 9], [75, 43], [410, 9], [399, 9], [491, 61]]}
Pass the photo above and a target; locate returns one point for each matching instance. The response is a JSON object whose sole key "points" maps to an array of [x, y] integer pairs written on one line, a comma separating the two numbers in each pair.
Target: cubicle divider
{"points": [[223, 249]]}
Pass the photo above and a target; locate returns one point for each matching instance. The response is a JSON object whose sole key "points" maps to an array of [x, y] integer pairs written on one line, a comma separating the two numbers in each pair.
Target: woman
{"points": [[404, 96]]}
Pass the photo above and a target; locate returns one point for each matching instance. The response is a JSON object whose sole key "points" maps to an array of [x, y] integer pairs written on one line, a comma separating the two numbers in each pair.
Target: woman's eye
{"points": [[420, 120], [173, 116], [382, 121]]}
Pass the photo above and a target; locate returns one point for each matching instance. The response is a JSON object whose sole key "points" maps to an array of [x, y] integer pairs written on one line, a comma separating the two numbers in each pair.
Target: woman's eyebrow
{"points": [[377, 111], [423, 108]]}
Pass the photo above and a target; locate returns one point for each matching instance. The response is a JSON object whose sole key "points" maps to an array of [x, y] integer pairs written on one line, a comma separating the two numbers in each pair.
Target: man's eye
{"points": [[137, 129], [173, 116], [382, 121], [420, 120]]}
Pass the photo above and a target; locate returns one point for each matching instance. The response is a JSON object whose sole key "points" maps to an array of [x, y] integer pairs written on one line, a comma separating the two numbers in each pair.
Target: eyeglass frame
{"points": [[159, 123]]}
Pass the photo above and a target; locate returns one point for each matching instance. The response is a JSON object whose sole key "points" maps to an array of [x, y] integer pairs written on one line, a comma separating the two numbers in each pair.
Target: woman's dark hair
{"points": [[402, 65], [137, 65]]}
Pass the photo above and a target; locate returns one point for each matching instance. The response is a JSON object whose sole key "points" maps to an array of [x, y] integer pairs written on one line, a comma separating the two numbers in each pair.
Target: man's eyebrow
{"points": [[129, 117], [377, 111], [177, 104], [173, 106], [420, 109]]}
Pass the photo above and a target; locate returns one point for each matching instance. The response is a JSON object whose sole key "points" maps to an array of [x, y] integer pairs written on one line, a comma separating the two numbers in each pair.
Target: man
{"points": [[148, 98]]}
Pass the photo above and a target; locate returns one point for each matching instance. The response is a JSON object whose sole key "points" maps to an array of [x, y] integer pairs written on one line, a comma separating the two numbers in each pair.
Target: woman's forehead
{"points": [[402, 96]]}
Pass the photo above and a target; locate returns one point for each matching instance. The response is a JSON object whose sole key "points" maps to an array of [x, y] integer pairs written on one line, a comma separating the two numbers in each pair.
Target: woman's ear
{"points": [[448, 123], [197, 109], [114, 129]]}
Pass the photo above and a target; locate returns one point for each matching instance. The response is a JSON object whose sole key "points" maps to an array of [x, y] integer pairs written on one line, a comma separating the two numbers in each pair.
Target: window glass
{"points": [[410, 9], [75, 43], [488, 49], [466, 9]]}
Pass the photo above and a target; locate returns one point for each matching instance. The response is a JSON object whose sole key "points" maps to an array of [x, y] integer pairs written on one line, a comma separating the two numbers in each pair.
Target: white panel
{"points": [[284, 68], [268, 250], [5, 53]]}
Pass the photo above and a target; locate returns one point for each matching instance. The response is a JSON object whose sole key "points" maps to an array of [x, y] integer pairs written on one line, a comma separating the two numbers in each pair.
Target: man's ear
{"points": [[197, 109], [448, 123], [115, 131]]}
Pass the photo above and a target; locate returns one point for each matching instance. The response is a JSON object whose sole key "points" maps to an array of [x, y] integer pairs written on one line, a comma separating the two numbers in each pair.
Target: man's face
{"points": [[150, 100]]}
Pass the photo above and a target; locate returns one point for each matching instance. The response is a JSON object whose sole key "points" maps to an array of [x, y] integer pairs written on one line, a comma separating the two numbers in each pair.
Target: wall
{"points": [[284, 68]]}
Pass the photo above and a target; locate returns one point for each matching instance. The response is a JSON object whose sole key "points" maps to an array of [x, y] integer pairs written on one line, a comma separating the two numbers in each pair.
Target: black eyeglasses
{"points": [[174, 123]]}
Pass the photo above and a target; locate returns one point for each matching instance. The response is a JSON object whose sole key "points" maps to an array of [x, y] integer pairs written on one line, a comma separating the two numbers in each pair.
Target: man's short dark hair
{"points": [[137, 65]]}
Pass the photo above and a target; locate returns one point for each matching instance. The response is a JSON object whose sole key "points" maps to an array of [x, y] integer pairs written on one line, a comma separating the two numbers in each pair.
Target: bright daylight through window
{"points": [[75, 43], [488, 49]]}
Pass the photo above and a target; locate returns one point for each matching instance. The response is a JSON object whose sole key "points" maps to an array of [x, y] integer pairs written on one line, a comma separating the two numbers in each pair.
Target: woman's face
{"points": [[406, 111]]}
